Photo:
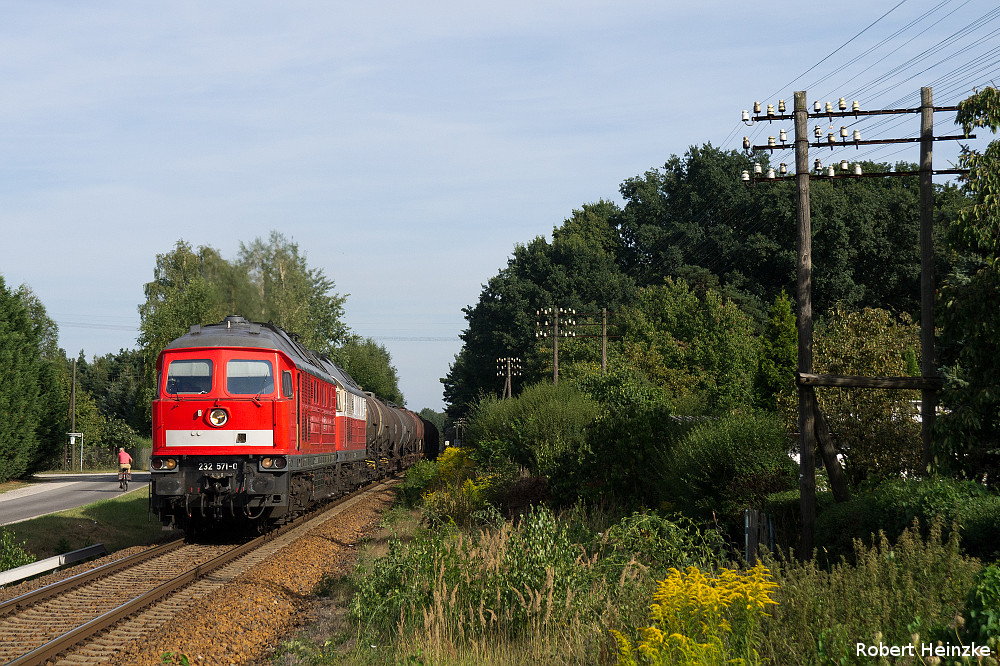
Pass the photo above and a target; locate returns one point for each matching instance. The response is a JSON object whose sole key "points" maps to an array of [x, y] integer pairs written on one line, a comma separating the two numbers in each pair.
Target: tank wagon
{"points": [[250, 428]]}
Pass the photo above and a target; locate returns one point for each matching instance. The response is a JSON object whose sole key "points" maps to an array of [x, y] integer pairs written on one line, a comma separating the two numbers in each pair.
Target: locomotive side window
{"points": [[286, 384], [249, 377], [189, 376]]}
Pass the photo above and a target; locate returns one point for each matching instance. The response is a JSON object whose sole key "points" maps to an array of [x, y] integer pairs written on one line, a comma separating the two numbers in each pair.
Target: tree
{"points": [[52, 375], [116, 382], [180, 295], [779, 355], [875, 429], [969, 429], [291, 294], [370, 365], [699, 347], [20, 367], [694, 219], [270, 281], [579, 269]]}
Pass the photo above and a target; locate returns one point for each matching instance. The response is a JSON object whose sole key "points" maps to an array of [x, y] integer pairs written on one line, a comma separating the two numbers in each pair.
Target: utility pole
{"points": [[542, 323], [604, 341], [72, 420], [807, 396], [928, 363], [810, 417], [509, 367]]}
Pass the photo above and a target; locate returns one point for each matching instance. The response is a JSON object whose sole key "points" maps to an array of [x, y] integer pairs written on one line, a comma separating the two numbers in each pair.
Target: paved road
{"points": [[58, 492]]}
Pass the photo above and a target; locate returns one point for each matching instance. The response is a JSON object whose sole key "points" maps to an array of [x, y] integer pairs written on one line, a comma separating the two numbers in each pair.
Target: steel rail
{"points": [[62, 643], [42, 593]]}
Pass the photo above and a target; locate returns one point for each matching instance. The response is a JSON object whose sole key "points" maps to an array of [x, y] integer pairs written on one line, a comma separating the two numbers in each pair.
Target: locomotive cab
{"points": [[218, 453], [250, 426]]}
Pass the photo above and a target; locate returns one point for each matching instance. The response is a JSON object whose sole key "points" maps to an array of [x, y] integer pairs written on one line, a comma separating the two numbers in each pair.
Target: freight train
{"points": [[251, 428]]}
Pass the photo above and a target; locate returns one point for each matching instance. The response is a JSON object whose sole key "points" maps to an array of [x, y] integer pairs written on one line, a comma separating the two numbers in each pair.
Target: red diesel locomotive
{"points": [[249, 426]]}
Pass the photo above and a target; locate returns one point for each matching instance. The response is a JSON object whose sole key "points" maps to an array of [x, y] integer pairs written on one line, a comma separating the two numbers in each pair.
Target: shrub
{"points": [[785, 510], [727, 465], [454, 466], [12, 554], [659, 543], [420, 478], [537, 428], [624, 443], [893, 505], [982, 607]]}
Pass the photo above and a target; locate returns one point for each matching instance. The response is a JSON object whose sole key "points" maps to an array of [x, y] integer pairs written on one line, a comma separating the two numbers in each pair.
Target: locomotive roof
{"points": [[235, 331]]}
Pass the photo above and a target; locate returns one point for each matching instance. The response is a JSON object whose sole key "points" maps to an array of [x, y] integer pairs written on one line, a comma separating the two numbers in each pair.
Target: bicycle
{"points": [[123, 479]]}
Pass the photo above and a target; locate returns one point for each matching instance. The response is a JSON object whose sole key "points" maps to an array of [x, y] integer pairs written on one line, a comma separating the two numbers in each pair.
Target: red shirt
{"points": [[124, 458]]}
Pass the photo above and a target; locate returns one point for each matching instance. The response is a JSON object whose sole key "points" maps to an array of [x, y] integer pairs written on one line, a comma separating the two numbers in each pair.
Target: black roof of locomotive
{"points": [[235, 331]]}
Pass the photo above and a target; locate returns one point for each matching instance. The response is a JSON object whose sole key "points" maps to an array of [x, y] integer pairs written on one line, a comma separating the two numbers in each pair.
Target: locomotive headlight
{"points": [[163, 464], [273, 463], [218, 417]]}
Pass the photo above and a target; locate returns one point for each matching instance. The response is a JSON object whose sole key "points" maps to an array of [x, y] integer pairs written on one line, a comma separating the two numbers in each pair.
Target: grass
{"points": [[121, 522], [7, 486]]}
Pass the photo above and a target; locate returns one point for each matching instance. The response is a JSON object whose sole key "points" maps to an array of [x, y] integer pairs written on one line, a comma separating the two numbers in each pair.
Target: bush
{"points": [[624, 443], [534, 430], [420, 478], [726, 465], [660, 543], [982, 607], [12, 554], [785, 510], [893, 505]]}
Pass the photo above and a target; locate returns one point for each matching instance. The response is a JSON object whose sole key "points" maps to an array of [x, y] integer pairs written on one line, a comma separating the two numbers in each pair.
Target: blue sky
{"points": [[406, 147]]}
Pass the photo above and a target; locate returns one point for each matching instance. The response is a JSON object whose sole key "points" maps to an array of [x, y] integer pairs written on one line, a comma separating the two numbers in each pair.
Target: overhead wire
{"points": [[950, 87], [967, 31]]}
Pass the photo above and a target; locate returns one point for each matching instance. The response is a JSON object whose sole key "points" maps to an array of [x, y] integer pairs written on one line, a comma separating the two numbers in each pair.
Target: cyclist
{"points": [[124, 466]]}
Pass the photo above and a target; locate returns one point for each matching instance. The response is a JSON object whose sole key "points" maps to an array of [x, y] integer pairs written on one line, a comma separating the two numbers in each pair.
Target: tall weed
{"points": [[546, 584], [890, 592]]}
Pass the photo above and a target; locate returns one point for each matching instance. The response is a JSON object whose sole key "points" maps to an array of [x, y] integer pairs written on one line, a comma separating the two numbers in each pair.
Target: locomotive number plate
{"points": [[217, 466]]}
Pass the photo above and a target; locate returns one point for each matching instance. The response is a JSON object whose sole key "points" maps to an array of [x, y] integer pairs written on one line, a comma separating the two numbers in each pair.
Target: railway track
{"points": [[88, 618]]}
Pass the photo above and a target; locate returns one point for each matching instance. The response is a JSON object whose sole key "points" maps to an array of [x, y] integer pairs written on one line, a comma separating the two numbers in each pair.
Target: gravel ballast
{"points": [[248, 619]]}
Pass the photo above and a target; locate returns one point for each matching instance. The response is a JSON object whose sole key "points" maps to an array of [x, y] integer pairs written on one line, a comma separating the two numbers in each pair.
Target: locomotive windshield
{"points": [[189, 376], [249, 377]]}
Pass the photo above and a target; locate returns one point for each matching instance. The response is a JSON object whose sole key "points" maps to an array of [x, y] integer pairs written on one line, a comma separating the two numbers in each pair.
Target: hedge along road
{"points": [[58, 492]]}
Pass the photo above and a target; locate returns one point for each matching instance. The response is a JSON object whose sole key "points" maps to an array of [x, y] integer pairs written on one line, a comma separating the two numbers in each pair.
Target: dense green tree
{"points": [[53, 374], [291, 294], [578, 269], [969, 429], [116, 382], [269, 281], [180, 295], [694, 219], [20, 368], [439, 419], [698, 347], [370, 365], [875, 429], [779, 355]]}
